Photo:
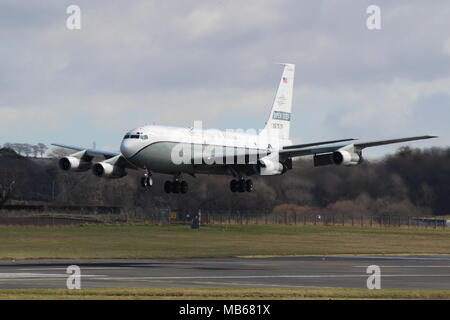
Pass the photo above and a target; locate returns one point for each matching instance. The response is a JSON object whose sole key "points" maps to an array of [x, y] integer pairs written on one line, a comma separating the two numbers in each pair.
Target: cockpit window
{"points": [[136, 136]]}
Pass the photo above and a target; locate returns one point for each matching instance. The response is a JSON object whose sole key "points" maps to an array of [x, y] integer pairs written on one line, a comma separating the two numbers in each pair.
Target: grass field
{"points": [[177, 241], [221, 293]]}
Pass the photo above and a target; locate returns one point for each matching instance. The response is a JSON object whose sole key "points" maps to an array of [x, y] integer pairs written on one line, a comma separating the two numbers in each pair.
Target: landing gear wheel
{"points": [[144, 182], [176, 187], [183, 187], [249, 185], [233, 185], [241, 185], [168, 187]]}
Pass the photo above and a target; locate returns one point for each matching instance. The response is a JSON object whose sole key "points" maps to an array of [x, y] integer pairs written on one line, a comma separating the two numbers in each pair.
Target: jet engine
{"points": [[269, 167], [346, 158], [108, 170], [74, 164]]}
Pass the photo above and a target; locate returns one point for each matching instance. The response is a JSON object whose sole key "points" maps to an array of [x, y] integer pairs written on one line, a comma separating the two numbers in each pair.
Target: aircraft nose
{"points": [[126, 148]]}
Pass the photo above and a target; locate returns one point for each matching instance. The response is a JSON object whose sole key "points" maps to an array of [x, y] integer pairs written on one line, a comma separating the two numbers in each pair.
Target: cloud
{"points": [[386, 108], [446, 46], [173, 62]]}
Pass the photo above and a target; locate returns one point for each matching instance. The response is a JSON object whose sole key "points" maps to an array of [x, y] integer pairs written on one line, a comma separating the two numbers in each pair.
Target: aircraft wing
{"points": [[383, 142], [297, 146], [89, 152], [99, 153], [299, 152]]}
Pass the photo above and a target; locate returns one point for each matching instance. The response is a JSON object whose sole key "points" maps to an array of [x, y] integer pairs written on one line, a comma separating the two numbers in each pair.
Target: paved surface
{"points": [[405, 272]]}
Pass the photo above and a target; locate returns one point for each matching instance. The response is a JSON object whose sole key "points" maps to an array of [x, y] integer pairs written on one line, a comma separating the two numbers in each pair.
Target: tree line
{"points": [[27, 149], [411, 182]]}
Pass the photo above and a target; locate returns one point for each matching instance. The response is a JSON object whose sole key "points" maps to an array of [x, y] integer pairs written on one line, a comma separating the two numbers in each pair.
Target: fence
{"points": [[31, 218], [324, 220], [165, 216]]}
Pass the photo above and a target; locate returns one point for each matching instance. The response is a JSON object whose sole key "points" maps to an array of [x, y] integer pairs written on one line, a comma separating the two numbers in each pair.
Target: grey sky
{"points": [[173, 62]]}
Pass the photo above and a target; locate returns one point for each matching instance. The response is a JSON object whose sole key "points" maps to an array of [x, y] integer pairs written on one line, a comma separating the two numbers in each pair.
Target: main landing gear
{"points": [[241, 185], [176, 186]]}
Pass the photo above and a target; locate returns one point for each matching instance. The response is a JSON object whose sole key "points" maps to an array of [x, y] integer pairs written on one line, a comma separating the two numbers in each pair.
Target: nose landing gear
{"points": [[146, 180], [241, 185]]}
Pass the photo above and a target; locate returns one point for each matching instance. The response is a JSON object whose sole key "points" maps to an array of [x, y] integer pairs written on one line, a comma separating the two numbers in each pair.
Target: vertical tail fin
{"points": [[279, 122]]}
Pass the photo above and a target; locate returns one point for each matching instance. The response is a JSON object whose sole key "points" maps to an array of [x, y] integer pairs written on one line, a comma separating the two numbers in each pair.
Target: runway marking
{"points": [[398, 258], [254, 284], [43, 276], [266, 277], [386, 266], [81, 267], [29, 275]]}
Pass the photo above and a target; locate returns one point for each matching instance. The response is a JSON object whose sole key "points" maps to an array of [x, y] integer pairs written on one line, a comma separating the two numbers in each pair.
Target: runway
{"points": [[402, 272]]}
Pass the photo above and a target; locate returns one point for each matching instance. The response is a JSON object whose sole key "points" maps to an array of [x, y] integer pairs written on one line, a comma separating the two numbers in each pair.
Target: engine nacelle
{"points": [[268, 167], [74, 164], [107, 170], [343, 157]]}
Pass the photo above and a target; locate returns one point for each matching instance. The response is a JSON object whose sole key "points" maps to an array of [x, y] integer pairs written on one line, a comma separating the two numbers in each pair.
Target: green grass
{"points": [[222, 293], [177, 241]]}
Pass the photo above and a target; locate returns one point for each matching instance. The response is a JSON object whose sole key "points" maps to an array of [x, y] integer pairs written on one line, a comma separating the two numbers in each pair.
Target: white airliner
{"points": [[177, 151]]}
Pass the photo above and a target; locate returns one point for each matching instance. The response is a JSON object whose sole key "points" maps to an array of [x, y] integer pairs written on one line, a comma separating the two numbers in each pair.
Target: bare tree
{"points": [[27, 149], [42, 148], [59, 153], [35, 149], [7, 185]]}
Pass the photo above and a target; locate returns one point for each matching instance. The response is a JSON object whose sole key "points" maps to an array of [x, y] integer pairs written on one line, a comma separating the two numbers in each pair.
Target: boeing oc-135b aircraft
{"points": [[177, 151]]}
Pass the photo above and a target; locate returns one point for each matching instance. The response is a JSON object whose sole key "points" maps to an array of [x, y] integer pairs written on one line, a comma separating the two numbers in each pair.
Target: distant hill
{"points": [[10, 153]]}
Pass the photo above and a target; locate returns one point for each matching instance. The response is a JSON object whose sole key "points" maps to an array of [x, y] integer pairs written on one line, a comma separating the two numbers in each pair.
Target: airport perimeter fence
{"points": [[323, 220], [167, 216], [27, 218]]}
